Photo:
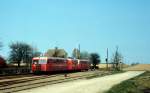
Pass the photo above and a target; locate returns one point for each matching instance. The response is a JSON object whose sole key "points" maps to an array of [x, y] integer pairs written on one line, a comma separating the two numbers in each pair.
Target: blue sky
{"points": [[94, 24]]}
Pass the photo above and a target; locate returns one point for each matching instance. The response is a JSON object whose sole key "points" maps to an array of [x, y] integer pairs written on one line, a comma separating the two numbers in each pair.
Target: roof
{"points": [[44, 57]]}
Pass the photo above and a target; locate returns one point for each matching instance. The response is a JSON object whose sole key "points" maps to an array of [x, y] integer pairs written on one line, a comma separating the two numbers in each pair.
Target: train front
{"points": [[39, 64]]}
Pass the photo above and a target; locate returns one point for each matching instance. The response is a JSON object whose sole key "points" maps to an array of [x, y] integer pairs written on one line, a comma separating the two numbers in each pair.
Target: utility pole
{"points": [[79, 50], [107, 60]]}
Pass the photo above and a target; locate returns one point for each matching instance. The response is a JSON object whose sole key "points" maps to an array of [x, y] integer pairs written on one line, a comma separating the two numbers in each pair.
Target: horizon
{"points": [[95, 25]]}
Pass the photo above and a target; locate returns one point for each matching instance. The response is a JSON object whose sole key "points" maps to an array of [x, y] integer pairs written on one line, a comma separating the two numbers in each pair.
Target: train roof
{"points": [[36, 58]]}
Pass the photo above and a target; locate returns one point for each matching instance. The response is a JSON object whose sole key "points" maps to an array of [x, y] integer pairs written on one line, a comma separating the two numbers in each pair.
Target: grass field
{"points": [[139, 67], [140, 84]]}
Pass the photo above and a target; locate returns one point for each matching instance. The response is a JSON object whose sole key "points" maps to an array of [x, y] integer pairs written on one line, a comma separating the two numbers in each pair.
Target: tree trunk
{"points": [[94, 66], [18, 63]]}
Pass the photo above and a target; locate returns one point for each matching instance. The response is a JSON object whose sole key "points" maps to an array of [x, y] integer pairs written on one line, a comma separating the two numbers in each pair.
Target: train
{"points": [[2, 62], [56, 64]]}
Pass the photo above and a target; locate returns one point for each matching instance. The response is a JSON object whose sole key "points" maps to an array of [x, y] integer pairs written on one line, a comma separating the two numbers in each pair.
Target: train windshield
{"points": [[35, 61], [42, 61]]}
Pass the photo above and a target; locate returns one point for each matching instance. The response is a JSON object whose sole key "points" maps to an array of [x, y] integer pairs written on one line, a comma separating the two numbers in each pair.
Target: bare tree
{"points": [[76, 53], [117, 60], [35, 52], [84, 55], [20, 52], [1, 45]]}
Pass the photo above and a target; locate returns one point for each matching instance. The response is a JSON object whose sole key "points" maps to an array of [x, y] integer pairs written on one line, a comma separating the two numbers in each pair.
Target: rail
{"points": [[22, 85]]}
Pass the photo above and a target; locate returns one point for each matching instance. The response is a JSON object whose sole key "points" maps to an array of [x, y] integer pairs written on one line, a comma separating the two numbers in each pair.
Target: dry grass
{"points": [[139, 67], [140, 84], [103, 66]]}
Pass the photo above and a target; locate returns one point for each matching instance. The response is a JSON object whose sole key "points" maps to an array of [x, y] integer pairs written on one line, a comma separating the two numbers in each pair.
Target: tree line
{"points": [[21, 52]]}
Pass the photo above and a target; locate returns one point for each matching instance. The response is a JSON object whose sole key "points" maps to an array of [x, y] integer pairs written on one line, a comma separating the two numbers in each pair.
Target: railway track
{"points": [[14, 76], [11, 82], [29, 83]]}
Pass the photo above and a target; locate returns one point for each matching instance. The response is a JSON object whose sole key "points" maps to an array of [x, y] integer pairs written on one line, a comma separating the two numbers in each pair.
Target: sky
{"points": [[94, 24]]}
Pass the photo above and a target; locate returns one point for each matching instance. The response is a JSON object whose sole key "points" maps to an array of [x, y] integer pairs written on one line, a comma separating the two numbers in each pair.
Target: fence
{"points": [[15, 70]]}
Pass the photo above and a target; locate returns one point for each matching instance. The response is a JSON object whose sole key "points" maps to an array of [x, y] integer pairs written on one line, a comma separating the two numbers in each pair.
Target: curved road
{"points": [[95, 85]]}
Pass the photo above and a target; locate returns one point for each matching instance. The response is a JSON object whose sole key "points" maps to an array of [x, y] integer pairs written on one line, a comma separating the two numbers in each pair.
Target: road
{"points": [[95, 85]]}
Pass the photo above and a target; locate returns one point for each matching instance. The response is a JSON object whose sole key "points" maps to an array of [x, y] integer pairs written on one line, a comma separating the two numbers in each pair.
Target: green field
{"points": [[139, 84]]}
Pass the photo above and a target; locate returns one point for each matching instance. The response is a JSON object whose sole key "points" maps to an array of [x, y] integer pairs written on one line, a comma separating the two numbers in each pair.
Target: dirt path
{"points": [[95, 85]]}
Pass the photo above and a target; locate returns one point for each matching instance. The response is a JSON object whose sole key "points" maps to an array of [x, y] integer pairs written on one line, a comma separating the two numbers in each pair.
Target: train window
{"points": [[35, 61], [54, 60], [65, 61], [58, 61], [50, 60], [42, 61]]}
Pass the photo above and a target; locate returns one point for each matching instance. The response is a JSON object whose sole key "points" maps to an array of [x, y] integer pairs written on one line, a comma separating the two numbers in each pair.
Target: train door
{"points": [[79, 65], [35, 65], [69, 64]]}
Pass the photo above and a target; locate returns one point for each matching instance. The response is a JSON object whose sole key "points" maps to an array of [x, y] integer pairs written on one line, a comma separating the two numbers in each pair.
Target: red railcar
{"points": [[51, 64], [2, 62]]}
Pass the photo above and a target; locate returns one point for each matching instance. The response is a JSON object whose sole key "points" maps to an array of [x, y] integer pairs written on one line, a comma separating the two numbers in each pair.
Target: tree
{"points": [[95, 59], [20, 52], [117, 60], [56, 53], [2, 62], [76, 53], [134, 63], [35, 52], [1, 45], [84, 55]]}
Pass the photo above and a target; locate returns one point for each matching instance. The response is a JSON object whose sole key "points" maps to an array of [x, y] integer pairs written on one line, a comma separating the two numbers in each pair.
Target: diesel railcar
{"points": [[54, 64]]}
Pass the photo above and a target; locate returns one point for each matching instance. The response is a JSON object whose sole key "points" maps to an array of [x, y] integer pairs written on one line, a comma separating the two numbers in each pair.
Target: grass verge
{"points": [[105, 73], [139, 84]]}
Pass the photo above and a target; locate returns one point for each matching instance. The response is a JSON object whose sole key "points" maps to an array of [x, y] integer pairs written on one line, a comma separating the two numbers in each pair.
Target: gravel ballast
{"points": [[95, 85]]}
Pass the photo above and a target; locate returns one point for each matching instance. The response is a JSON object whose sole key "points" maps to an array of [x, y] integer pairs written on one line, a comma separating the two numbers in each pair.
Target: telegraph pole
{"points": [[79, 50], [107, 60]]}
